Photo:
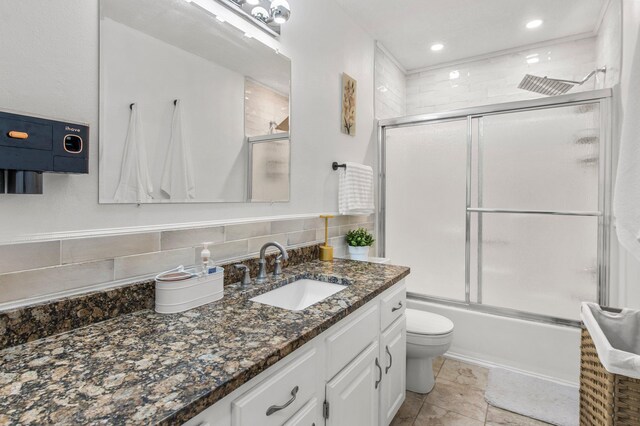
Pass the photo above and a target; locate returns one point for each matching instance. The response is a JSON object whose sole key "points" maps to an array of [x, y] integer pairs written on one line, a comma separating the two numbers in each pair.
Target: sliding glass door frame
{"points": [[603, 98]]}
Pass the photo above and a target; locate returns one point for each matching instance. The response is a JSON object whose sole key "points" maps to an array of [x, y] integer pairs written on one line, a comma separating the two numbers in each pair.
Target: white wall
{"points": [[629, 266], [495, 79], [53, 71]]}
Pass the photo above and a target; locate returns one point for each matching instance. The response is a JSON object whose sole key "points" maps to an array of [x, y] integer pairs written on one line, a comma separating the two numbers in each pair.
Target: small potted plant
{"points": [[359, 241]]}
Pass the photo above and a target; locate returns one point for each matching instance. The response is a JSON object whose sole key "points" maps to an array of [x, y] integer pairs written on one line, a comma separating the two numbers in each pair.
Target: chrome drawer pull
{"points": [[386, 369], [380, 370], [395, 308], [276, 408]]}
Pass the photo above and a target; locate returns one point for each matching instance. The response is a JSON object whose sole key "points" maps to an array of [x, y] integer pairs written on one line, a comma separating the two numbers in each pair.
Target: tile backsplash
{"points": [[37, 271]]}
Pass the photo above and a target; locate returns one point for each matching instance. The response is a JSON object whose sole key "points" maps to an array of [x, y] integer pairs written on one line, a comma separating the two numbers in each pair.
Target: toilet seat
{"points": [[427, 323]]}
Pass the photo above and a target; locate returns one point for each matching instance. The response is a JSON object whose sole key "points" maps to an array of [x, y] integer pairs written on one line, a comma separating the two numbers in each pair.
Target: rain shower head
{"points": [[552, 86]]}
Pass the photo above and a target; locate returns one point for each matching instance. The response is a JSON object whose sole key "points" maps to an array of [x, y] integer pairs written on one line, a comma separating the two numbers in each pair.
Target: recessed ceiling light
{"points": [[534, 24], [454, 74], [437, 46], [533, 60]]}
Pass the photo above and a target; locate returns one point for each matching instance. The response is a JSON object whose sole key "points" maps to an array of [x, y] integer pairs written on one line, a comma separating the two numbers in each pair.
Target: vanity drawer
{"points": [[278, 391], [351, 339], [392, 305]]}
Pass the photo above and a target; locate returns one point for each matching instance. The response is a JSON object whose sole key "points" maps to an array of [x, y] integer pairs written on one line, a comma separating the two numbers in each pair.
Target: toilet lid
{"points": [[421, 322]]}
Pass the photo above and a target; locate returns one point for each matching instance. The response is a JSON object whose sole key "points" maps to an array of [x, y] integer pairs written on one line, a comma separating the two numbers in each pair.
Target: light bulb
{"points": [[260, 13], [280, 11], [437, 46], [534, 24]]}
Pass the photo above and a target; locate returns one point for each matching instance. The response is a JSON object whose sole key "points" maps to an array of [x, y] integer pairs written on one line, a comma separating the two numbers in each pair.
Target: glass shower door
{"points": [[538, 209], [426, 179], [501, 210]]}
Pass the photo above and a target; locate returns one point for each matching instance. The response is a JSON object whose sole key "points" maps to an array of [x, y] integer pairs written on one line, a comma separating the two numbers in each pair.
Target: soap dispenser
{"points": [[205, 256]]}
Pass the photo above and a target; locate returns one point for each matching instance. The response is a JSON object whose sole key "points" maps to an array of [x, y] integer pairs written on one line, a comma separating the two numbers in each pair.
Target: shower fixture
{"points": [[553, 86]]}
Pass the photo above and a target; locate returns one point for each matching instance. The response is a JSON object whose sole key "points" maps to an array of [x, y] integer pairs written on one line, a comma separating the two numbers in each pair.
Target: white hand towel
{"points": [[626, 203], [355, 190], [177, 177], [135, 183]]}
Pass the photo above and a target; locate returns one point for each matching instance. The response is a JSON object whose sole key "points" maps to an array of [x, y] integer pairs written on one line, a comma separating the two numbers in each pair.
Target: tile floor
{"points": [[456, 400]]}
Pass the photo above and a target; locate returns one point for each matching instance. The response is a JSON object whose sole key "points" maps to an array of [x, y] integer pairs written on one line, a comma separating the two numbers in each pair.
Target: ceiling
{"points": [[468, 28]]}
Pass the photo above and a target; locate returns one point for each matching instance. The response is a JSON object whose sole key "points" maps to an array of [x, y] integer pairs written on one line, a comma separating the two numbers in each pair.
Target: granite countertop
{"points": [[147, 368]]}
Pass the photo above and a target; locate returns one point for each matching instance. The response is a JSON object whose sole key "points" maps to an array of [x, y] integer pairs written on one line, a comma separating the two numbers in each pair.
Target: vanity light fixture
{"points": [[437, 47], [534, 24], [266, 11]]}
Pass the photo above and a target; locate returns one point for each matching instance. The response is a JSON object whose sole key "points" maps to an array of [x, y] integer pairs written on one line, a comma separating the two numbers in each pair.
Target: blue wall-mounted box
{"points": [[30, 146]]}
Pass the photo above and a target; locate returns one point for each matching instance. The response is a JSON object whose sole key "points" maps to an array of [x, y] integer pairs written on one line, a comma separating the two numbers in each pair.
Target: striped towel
{"points": [[355, 189]]}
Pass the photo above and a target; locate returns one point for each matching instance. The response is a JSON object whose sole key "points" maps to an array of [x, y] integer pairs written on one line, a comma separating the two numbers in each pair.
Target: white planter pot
{"points": [[358, 253]]}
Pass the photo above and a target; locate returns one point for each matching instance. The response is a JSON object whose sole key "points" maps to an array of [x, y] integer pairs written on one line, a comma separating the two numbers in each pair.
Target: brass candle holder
{"points": [[326, 251]]}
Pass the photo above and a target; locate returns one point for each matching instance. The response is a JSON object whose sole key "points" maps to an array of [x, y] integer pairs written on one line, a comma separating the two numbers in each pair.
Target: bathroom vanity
{"points": [[359, 362], [231, 362]]}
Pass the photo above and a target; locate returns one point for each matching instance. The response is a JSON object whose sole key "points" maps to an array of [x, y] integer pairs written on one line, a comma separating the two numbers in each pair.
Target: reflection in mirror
{"points": [[181, 94], [269, 167]]}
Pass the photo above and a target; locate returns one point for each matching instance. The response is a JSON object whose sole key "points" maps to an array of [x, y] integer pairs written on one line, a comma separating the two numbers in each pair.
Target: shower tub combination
{"points": [[502, 212]]}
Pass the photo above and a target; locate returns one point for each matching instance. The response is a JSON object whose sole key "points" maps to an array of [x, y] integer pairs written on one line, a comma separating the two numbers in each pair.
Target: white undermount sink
{"points": [[299, 294]]}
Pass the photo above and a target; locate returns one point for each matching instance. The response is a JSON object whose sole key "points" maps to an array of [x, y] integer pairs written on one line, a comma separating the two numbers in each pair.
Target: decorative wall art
{"points": [[348, 125]]}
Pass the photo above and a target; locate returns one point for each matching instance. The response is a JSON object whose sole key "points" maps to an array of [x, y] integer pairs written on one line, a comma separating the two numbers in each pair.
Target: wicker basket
{"points": [[605, 399]]}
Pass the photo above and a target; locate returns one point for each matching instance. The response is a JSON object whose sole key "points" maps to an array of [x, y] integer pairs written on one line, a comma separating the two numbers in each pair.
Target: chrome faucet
{"points": [[246, 279], [262, 271]]}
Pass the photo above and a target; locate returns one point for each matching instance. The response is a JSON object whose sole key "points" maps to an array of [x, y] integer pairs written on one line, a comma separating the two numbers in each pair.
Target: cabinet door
{"points": [[393, 350], [309, 415], [353, 394]]}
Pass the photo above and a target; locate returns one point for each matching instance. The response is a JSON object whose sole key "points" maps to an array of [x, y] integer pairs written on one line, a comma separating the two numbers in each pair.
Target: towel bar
{"points": [[335, 165]]}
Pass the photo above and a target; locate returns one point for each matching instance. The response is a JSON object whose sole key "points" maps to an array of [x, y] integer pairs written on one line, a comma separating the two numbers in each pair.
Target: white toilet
{"points": [[428, 335]]}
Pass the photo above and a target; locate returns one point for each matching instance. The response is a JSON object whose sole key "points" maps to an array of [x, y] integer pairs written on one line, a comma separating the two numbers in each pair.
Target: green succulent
{"points": [[359, 238]]}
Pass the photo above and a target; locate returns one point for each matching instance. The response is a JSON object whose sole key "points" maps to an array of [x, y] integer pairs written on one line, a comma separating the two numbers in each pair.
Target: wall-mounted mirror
{"points": [[187, 106]]}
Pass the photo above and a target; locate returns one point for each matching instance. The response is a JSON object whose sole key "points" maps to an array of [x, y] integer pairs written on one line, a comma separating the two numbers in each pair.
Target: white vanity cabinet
{"points": [[393, 350], [352, 374], [352, 397]]}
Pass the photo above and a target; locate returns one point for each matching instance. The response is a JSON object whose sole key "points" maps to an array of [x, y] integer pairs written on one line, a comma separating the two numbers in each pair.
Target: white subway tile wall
{"points": [[263, 106], [608, 44], [495, 80], [390, 87], [34, 270]]}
